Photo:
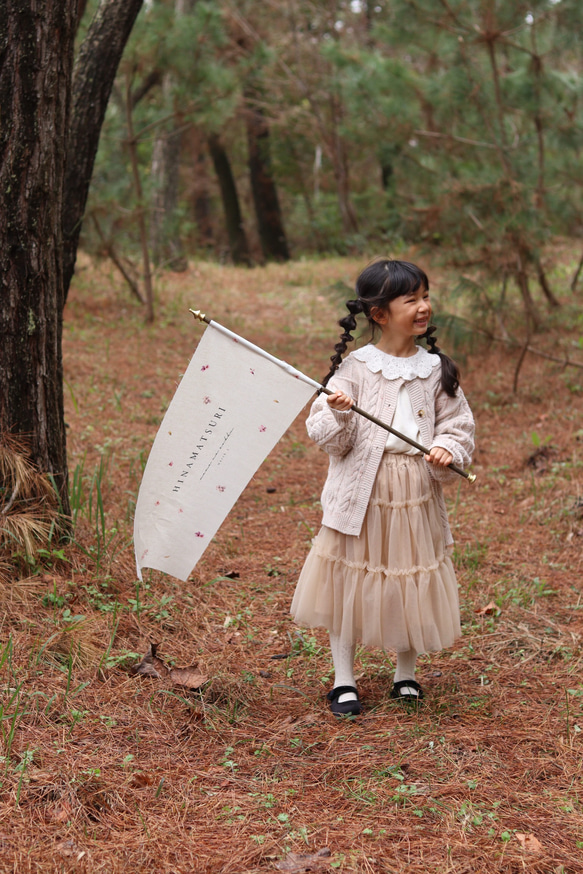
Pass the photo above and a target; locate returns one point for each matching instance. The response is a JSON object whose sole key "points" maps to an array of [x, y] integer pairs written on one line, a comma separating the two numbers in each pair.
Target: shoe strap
{"points": [[411, 684], [337, 691]]}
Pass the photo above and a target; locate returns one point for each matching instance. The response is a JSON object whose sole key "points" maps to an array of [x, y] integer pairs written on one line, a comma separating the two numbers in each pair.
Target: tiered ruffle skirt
{"points": [[393, 586]]}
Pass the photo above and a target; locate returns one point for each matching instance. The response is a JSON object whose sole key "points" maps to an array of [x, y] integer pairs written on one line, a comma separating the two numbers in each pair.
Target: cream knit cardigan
{"points": [[356, 445]]}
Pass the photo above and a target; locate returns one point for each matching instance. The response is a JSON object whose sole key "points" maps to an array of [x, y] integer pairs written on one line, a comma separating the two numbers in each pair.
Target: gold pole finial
{"points": [[471, 477], [198, 315]]}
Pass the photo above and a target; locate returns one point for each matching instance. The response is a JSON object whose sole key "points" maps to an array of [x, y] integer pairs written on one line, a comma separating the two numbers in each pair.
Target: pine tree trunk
{"points": [[341, 175], [532, 317], [544, 284], [35, 77], [234, 222], [165, 242], [265, 200], [201, 205], [95, 71], [40, 195]]}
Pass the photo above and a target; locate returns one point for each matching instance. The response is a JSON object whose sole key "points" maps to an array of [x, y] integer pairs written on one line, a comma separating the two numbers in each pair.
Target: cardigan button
{"points": [[421, 413]]}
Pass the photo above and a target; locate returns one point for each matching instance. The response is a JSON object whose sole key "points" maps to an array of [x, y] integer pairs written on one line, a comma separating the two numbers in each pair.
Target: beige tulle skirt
{"points": [[394, 585]]}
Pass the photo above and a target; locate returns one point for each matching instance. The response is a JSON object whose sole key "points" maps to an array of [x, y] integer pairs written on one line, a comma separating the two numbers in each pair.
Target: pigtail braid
{"points": [[348, 324], [450, 375]]}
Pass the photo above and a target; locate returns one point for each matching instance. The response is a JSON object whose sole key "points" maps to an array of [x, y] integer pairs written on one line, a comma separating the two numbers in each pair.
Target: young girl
{"points": [[379, 570]]}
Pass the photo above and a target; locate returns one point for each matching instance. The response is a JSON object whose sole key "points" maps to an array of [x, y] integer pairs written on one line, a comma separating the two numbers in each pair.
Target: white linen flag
{"points": [[232, 406]]}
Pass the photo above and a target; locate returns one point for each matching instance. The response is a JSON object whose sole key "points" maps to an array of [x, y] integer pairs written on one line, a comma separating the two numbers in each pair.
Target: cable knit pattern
{"points": [[391, 367], [356, 445]]}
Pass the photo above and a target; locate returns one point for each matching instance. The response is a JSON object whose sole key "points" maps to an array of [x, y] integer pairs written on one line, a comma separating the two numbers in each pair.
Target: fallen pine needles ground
{"points": [[221, 756]]}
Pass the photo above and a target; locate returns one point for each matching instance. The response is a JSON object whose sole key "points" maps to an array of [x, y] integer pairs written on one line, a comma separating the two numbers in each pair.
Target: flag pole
{"points": [[471, 477]]}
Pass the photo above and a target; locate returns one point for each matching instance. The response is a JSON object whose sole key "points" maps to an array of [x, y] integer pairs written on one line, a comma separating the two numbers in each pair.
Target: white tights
{"points": [[343, 658]]}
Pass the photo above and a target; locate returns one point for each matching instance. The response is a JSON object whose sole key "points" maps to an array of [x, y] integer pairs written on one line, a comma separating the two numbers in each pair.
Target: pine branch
{"points": [[465, 140], [514, 344]]}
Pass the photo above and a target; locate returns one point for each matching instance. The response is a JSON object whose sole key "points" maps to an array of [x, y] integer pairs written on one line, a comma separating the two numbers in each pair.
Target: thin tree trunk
{"points": [[543, 282], [341, 174], [348, 215], [234, 222], [532, 317], [94, 75], [201, 205], [109, 250], [35, 77], [576, 275], [520, 362], [165, 242], [265, 200], [142, 224]]}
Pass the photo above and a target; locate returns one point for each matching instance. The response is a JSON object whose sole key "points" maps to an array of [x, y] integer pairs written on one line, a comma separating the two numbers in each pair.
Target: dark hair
{"points": [[380, 282]]}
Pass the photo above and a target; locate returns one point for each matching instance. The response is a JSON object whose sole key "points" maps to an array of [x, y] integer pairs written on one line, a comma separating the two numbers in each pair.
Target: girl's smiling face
{"points": [[407, 316]]}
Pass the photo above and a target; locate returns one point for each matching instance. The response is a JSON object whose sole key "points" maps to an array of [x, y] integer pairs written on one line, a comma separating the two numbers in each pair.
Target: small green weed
{"points": [[471, 557]]}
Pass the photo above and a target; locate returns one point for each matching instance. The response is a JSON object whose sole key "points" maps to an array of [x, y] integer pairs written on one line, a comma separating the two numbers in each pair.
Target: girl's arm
{"points": [[453, 433], [333, 425]]}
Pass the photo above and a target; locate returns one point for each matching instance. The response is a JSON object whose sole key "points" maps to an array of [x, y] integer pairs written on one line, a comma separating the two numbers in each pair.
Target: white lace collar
{"points": [[420, 364]]}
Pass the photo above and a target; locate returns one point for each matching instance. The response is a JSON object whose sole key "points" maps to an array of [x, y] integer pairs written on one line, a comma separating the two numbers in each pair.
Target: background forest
{"points": [[251, 132]]}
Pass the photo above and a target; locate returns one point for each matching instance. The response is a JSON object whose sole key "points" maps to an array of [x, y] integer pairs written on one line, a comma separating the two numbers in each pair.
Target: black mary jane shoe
{"points": [[343, 708], [408, 691]]}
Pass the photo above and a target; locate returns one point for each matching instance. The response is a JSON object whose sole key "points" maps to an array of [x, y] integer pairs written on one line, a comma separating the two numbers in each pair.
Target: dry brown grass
{"points": [[29, 516], [107, 771]]}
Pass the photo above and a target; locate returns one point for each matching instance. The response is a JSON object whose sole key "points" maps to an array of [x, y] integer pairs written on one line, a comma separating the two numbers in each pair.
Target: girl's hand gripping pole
{"points": [[471, 477]]}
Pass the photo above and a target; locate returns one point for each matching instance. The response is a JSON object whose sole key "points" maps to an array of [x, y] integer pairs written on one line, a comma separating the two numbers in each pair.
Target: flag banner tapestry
{"points": [[230, 409]]}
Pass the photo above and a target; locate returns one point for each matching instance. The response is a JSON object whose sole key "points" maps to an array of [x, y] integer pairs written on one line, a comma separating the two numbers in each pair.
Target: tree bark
{"points": [[45, 169], [165, 242], [532, 317], [267, 210], [201, 204], [95, 72], [132, 145], [234, 222], [544, 284], [35, 76]]}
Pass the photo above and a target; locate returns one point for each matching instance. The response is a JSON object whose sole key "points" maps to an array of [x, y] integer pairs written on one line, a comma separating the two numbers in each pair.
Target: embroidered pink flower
{"points": [[157, 504], [221, 488], [206, 400], [170, 464], [198, 534], [251, 371], [262, 428], [205, 367]]}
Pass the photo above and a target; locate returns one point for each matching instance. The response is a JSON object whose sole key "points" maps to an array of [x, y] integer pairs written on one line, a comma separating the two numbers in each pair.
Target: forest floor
{"points": [[106, 770]]}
